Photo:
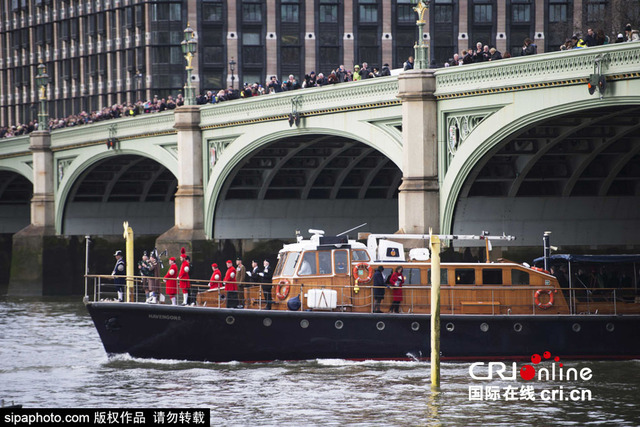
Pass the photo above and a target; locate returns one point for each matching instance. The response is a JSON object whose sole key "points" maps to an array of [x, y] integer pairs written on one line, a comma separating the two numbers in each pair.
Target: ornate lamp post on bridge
{"points": [[232, 65], [421, 47], [42, 80], [138, 76], [189, 46]]}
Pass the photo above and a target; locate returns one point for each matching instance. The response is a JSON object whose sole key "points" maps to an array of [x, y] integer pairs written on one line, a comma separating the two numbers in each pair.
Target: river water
{"points": [[51, 357]]}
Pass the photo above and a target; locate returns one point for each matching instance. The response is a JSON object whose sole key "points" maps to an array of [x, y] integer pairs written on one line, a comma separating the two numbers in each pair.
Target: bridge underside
{"points": [[122, 188], [577, 175], [308, 181], [15, 195]]}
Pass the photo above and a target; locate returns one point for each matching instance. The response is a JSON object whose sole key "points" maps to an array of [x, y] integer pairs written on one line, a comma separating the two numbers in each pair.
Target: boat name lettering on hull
{"points": [[164, 317]]}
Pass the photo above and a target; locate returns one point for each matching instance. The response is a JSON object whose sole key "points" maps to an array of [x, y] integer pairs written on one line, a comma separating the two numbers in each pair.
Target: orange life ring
{"points": [[548, 304], [540, 269], [282, 290], [359, 268]]}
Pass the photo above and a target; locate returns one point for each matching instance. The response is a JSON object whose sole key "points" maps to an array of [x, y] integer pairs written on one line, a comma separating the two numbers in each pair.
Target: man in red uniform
{"points": [[214, 282], [184, 276], [230, 285], [170, 280]]}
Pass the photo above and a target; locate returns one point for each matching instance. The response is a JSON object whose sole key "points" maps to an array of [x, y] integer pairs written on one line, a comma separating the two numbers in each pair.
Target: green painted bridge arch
{"points": [[501, 128], [78, 151], [367, 117]]}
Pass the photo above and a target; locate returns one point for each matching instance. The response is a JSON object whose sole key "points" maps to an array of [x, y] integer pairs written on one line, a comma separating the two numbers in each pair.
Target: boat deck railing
{"points": [[456, 299]]}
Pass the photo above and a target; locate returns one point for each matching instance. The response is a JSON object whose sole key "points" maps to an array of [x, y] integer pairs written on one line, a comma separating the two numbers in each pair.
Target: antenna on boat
{"points": [[487, 244], [354, 228], [546, 249]]}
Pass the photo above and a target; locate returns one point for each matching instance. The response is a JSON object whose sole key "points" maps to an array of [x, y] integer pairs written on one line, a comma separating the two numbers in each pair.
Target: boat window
{"points": [[341, 261], [281, 262], [324, 262], [387, 273], [444, 280], [492, 276], [290, 263], [411, 276], [519, 277], [308, 266], [465, 276], [360, 255]]}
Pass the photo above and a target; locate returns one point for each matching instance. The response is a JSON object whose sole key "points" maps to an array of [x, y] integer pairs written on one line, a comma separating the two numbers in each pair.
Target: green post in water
{"points": [[435, 311], [128, 235]]}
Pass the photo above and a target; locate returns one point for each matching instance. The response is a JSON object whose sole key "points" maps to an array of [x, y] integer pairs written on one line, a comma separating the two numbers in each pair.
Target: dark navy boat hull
{"points": [[220, 335]]}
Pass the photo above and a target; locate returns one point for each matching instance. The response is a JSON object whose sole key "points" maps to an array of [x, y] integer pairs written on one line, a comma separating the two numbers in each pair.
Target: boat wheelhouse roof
{"points": [[318, 241]]}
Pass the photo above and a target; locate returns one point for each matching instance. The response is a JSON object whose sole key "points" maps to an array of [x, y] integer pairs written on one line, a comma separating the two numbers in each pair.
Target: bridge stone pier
{"points": [[516, 146], [188, 231], [34, 246], [419, 197]]}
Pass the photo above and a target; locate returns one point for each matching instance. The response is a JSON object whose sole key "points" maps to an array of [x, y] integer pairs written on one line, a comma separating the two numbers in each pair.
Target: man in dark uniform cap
{"points": [[118, 274], [241, 273]]}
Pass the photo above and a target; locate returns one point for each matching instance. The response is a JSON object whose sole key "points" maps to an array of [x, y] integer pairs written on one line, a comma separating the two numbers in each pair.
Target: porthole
{"points": [[339, 324], [304, 323], [484, 327], [415, 326], [267, 322], [230, 320], [576, 327], [112, 324], [380, 326], [517, 327], [610, 327], [450, 327]]}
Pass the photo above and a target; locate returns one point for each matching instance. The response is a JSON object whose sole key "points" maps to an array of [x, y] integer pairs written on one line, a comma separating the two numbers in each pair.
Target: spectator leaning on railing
{"points": [[156, 104]]}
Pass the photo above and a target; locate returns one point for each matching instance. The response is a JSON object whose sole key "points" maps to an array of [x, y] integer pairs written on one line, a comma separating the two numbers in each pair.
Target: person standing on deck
{"points": [[241, 273], [397, 279], [266, 275], [214, 282], [145, 271], [170, 280], [230, 285], [154, 287], [118, 274], [254, 274], [378, 289], [184, 276]]}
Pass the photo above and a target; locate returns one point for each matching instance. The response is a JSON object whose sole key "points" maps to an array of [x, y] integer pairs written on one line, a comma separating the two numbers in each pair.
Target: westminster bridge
{"points": [[518, 146]]}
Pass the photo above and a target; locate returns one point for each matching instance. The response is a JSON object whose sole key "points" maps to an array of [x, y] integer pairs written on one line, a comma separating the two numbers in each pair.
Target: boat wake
{"points": [[381, 363], [127, 361]]}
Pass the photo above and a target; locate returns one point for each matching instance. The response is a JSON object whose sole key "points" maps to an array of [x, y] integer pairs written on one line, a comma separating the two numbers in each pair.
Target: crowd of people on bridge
{"points": [[485, 53], [482, 53], [126, 109], [273, 85]]}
